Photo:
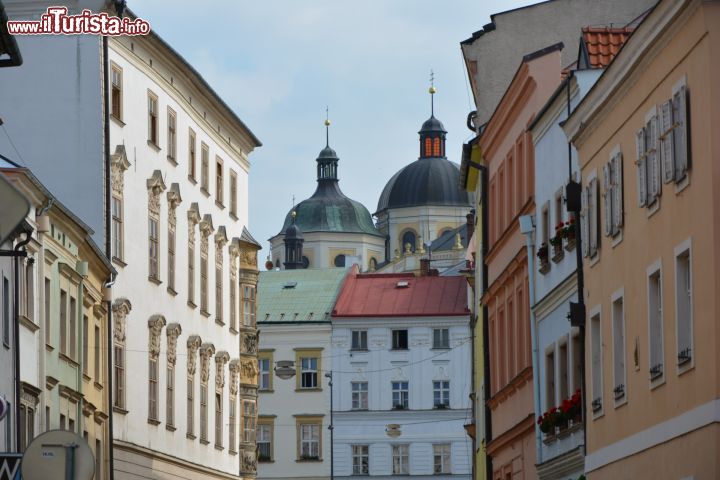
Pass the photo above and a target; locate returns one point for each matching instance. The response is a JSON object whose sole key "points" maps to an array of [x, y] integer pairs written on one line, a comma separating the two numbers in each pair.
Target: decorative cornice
{"points": [[206, 225], [511, 387], [221, 237], [173, 196], [193, 214]]}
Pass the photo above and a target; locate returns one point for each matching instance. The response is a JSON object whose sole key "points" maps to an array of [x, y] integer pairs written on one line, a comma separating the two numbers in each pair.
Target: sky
{"points": [[279, 63]]}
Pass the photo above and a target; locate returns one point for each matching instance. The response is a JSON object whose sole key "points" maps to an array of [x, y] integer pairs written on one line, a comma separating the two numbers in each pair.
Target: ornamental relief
{"points": [[121, 308], [118, 164], [193, 344], [248, 258], [248, 371], [173, 332], [249, 462], [220, 360], [249, 344], [207, 350], [155, 324], [155, 186], [234, 376]]}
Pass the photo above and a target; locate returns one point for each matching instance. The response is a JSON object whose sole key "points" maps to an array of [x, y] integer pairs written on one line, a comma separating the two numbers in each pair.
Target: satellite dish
{"points": [[58, 454]]}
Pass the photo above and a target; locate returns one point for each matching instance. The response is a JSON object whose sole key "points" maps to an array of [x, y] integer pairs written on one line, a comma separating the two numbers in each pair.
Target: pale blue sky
{"points": [[277, 63]]}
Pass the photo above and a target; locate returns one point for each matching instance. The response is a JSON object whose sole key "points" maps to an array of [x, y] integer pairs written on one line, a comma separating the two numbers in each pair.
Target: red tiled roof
{"points": [[378, 295], [603, 43]]}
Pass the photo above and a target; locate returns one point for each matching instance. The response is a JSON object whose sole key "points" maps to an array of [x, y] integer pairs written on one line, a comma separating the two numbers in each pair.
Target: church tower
{"points": [[293, 246]]}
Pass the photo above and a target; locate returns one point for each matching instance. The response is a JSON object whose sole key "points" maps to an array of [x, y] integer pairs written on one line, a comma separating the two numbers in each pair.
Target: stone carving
{"points": [[249, 344], [234, 376], [155, 324], [221, 359], [207, 350], [121, 308], [248, 257], [249, 462], [193, 216], [193, 344], [173, 332], [174, 199], [118, 164], [155, 186], [248, 371]]}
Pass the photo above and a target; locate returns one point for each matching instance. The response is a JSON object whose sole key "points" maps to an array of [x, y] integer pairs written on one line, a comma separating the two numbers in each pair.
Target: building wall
{"points": [[677, 41], [321, 248], [420, 425], [283, 403], [496, 49]]}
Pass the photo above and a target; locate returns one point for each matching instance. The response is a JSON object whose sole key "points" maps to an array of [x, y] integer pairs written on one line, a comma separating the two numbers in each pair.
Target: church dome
{"points": [[426, 181], [432, 124]]}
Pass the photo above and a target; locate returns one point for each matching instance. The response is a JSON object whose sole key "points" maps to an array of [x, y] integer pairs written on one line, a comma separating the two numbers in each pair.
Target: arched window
{"points": [[408, 237], [428, 147], [372, 266], [339, 261], [436, 148], [305, 262]]}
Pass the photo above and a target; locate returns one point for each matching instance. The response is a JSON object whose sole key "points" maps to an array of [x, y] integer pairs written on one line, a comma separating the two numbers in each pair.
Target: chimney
{"points": [[424, 267]]}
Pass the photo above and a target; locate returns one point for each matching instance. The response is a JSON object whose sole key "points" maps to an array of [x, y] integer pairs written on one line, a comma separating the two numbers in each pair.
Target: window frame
{"points": [[359, 396], [153, 248], [153, 119], [192, 155], [444, 343], [684, 249], [441, 389], [360, 453], [362, 340], [314, 423], [116, 113], [445, 458], [263, 424], [233, 193], [204, 168], [596, 366], [403, 467], [219, 182], [658, 378], [396, 342], [171, 135], [400, 394], [620, 395], [265, 355]]}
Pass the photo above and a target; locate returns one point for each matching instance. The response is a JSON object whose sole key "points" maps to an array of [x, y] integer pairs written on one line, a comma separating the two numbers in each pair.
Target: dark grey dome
{"points": [[432, 124], [293, 231], [327, 152], [426, 181]]}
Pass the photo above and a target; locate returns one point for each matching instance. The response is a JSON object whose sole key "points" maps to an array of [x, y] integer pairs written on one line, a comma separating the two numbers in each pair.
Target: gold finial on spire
{"points": [[432, 90], [327, 126]]}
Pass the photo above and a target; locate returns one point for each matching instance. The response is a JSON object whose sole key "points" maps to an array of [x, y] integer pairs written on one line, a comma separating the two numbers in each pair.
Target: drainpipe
{"points": [[82, 268], [527, 226]]}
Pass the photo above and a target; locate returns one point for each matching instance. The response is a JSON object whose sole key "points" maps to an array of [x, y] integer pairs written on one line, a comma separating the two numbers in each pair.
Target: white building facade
{"points": [[401, 383], [163, 181], [561, 453]]}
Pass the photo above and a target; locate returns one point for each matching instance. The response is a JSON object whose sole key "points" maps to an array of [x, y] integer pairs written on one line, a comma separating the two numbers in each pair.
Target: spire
{"points": [[327, 160], [432, 133], [432, 91], [327, 126]]}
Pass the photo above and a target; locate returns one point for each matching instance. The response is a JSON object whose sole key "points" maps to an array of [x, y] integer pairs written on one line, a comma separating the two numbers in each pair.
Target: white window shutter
{"points": [[653, 163], [607, 199], [666, 142], [594, 212], [584, 223], [641, 167], [680, 133], [617, 202]]}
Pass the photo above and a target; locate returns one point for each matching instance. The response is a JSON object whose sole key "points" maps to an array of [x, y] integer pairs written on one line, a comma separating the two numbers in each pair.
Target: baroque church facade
{"points": [[421, 213]]}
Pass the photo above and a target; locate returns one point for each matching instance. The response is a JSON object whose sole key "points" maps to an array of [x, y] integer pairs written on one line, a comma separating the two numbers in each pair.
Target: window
{"points": [[441, 393], [203, 412], [309, 441], [596, 362], [400, 395], [545, 224], [48, 323], [233, 193], [85, 334], [116, 93], [28, 299], [648, 162], [153, 119], [98, 460], [218, 418], [408, 241], [203, 282], [308, 372], [673, 136], [233, 298], [339, 261], [171, 258], [218, 181], [96, 353], [170, 396], [400, 459], [563, 369], [264, 442], [72, 334], [576, 372], [399, 339], [441, 458], [153, 374], [655, 319], [232, 424], [204, 167], [153, 242], [62, 421], [436, 147], [265, 366], [589, 218], [248, 421], [63, 319], [359, 395], [71, 424], [361, 460], [191, 272], [441, 338], [550, 377], [119, 380], [192, 172], [218, 293], [27, 419], [613, 195], [6, 312], [190, 405], [117, 227], [683, 302], [428, 147], [248, 305], [618, 325], [359, 340], [171, 135]]}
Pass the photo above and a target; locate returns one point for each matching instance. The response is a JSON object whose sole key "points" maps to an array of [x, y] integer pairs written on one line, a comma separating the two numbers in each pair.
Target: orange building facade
{"points": [[649, 152], [508, 153]]}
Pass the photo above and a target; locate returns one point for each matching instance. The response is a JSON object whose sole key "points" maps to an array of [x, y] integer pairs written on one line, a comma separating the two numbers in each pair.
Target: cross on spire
{"points": [[432, 91], [327, 126]]}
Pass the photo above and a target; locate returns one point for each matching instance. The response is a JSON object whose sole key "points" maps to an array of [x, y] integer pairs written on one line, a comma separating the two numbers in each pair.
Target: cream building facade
{"points": [[647, 153]]}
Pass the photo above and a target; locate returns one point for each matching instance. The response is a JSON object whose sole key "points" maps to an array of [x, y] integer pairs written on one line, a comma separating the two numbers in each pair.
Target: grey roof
{"points": [[446, 241], [432, 124], [246, 237], [298, 296], [427, 181]]}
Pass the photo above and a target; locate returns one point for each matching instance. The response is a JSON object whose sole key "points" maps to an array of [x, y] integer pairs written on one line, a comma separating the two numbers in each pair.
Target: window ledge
{"points": [[619, 402], [119, 410], [658, 382], [98, 386], [219, 321], [219, 448], [316, 389], [170, 428], [190, 436], [232, 452], [219, 205], [686, 367], [205, 313], [204, 442], [233, 215], [118, 261], [28, 323], [172, 160], [399, 349], [683, 183], [617, 239], [266, 390], [594, 259], [86, 377], [49, 347], [153, 421], [266, 461], [191, 304], [153, 145], [359, 350], [192, 180], [171, 291], [440, 348], [205, 191], [155, 280], [117, 120], [234, 331], [69, 360], [308, 460], [653, 208]]}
